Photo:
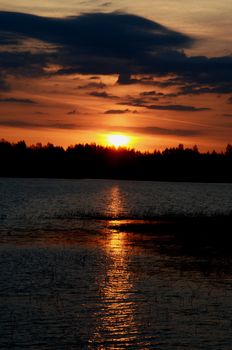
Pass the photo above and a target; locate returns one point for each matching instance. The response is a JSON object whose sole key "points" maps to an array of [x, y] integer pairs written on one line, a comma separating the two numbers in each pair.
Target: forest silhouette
{"points": [[95, 161]]}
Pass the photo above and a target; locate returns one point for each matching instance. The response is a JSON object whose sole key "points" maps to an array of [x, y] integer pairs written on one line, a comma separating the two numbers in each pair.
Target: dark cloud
{"points": [[73, 112], [141, 102], [4, 86], [119, 111], [179, 108], [96, 42], [25, 63], [93, 86], [151, 93], [134, 101], [194, 88], [8, 39], [194, 75], [126, 79], [17, 100], [113, 43], [111, 34], [227, 115], [230, 100], [103, 94]]}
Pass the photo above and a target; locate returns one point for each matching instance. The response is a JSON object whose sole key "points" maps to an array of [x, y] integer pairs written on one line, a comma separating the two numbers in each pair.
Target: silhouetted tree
{"points": [[95, 161]]}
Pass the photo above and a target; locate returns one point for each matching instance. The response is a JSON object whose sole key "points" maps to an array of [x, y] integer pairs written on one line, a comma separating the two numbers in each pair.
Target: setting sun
{"points": [[118, 140]]}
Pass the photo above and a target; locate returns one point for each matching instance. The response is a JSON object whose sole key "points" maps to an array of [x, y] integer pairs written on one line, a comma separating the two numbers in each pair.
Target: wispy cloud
{"points": [[178, 108], [94, 85], [15, 123], [143, 103], [103, 94], [120, 111], [17, 100], [153, 130], [151, 93], [73, 112]]}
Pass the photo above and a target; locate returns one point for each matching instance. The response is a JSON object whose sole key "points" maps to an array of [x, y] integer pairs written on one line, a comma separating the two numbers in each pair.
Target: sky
{"points": [[156, 72]]}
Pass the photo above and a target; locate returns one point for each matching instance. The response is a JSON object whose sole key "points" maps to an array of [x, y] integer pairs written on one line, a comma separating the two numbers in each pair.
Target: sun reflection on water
{"points": [[116, 328], [115, 202]]}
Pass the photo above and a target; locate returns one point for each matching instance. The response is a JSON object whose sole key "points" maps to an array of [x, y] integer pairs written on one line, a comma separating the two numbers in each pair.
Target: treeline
{"points": [[94, 161]]}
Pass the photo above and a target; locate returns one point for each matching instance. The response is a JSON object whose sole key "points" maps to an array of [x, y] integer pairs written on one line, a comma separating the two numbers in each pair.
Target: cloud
{"points": [[40, 113], [25, 63], [153, 130], [126, 79], [142, 102], [150, 130], [151, 93], [93, 33], [8, 39], [94, 78], [227, 115], [17, 100], [193, 88], [230, 100], [179, 108], [97, 43], [92, 86], [73, 112], [106, 4], [194, 75], [119, 111], [103, 94], [33, 125], [111, 43], [3, 85], [134, 101]]}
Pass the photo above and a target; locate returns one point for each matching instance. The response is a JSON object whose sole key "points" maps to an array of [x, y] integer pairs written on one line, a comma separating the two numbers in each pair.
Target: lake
{"points": [[70, 280]]}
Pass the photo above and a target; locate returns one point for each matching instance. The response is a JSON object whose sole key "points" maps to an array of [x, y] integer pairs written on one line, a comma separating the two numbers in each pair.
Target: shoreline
{"points": [[130, 179], [195, 235]]}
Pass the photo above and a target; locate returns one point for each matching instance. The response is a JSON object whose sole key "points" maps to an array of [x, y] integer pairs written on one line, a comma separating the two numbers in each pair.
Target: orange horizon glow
{"points": [[112, 99], [58, 117]]}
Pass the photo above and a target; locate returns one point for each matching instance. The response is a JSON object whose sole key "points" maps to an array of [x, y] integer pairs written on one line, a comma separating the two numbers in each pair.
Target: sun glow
{"points": [[117, 140]]}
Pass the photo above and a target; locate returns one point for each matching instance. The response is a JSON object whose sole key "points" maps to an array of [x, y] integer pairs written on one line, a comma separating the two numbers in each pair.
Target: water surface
{"points": [[69, 280]]}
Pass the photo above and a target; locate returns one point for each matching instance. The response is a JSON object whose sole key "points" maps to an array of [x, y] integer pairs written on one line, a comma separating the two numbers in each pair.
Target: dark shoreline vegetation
{"points": [[197, 235], [94, 161]]}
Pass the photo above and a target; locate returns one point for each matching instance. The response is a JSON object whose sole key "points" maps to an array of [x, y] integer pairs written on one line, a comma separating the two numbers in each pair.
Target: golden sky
{"points": [[158, 72]]}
